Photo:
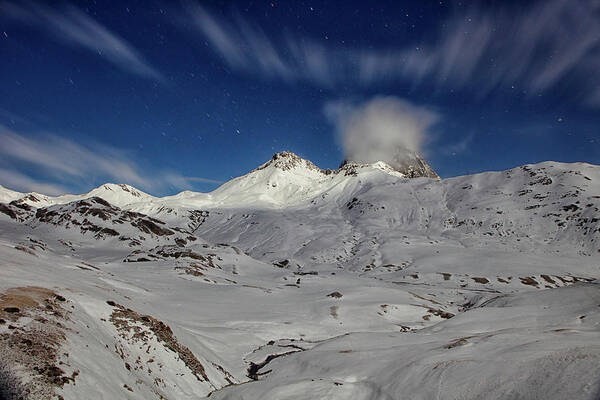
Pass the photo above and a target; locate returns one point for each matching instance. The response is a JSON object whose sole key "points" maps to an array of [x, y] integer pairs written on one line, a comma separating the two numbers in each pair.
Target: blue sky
{"points": [[168, 96]]}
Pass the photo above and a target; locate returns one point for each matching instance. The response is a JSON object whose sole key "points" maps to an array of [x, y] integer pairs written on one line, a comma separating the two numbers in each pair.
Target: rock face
{"points": [[286, 160], [411, 165]]}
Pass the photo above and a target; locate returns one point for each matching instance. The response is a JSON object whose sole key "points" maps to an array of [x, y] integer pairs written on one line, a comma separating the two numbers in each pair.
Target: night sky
{"points": [[169, 95]]}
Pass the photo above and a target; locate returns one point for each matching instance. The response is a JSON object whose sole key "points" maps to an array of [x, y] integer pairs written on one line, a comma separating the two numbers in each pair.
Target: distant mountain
{"points": [[413, 165], [549, 201], [409, 164], [117, 194]]}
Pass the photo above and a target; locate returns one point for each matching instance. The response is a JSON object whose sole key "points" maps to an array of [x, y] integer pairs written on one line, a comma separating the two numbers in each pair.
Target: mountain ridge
{"points": [[550, 198], [124, 194]]}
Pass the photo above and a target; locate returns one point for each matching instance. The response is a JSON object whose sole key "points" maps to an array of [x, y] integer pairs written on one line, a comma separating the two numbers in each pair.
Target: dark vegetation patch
{"points": [[543, 180], [306, 273], [548, 279], [458, 342], [362, 206], [528, 281], [197, 218], [109, 232], [25, 249], [150, 226], [8, 211], [282, 263], [125, 320], [424, 298], [571, 207], [254, 368], [440, 313], [32, 343], [534, 206]]}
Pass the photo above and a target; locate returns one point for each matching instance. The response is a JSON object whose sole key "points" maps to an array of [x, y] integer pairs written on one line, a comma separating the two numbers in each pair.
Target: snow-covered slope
{"points": [[7, 195], [409, 164], [285, 180], [117, 194], [292, 282]]}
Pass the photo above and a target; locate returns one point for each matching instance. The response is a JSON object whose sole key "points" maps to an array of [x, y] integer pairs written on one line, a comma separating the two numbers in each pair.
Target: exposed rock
{"points": [[411, 165]]}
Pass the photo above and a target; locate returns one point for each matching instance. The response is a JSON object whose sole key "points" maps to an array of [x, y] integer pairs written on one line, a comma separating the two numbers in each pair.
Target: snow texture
{"points": [[293, 282]]}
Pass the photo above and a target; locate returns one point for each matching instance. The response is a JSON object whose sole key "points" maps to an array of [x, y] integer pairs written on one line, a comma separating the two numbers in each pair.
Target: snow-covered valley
{"points": [[292, 282]]}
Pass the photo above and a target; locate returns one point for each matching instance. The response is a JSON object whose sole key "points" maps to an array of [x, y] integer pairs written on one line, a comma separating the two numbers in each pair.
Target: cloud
{"points": [[63, 160], [381, 129], [535, 47], [247, 48], [75, 28], [241, 45], [59, 156], [17, 181]]}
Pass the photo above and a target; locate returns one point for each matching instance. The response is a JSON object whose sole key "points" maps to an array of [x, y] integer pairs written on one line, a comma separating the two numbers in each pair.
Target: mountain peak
{"points": [[119, 187], [118, 194], [286, 160], [411, 165]]}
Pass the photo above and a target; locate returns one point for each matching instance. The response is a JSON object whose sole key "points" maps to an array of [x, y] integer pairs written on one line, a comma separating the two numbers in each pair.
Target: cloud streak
{"points": [[536, 47], [73, 27], [17, 181], [242, 46], [65, 162]]}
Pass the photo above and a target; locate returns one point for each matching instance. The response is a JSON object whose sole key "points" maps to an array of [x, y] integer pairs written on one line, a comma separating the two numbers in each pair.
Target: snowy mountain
{"points": [[293, 282], [409, 164], [413, 165], [7, 195]]}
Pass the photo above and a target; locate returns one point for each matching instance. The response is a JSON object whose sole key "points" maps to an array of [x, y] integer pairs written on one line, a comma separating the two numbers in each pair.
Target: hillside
{"points": [[293, 282]]}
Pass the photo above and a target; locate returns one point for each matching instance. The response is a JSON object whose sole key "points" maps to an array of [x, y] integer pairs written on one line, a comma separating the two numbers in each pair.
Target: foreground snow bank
{"points": [[543, 345]]}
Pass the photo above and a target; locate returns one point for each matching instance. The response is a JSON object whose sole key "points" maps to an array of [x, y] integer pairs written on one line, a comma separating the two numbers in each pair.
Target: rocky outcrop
{"points": [[411, 165]]}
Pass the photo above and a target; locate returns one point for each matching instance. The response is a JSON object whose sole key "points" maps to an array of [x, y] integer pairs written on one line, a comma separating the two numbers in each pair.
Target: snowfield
{"points": [[292, 282]]}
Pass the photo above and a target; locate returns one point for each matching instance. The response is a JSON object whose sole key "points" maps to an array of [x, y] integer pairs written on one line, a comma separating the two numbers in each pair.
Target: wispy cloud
{"points": [[65, 162], [74, 27], [242, 46], [535, 47], [23, 183]]}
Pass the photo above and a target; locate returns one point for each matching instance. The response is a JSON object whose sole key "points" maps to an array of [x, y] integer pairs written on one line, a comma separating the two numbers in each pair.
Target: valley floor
{"points": [[450, 322]]}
